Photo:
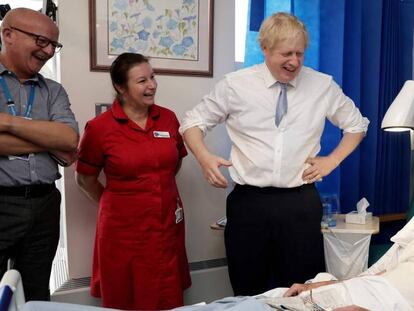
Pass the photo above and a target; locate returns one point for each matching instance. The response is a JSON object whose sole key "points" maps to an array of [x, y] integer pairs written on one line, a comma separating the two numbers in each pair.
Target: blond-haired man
{"points": [[275, 114]]}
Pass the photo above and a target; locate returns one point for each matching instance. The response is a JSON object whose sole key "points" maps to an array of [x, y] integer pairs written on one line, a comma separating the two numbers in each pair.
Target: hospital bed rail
{"points": [[11, 291]]}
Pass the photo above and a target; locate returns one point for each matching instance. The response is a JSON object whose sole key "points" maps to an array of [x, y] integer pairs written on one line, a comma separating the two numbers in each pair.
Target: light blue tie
{"points": [[281, 108]]}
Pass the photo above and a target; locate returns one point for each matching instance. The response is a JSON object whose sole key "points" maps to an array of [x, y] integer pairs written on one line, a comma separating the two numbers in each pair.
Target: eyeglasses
{"points": [[40, 40]]}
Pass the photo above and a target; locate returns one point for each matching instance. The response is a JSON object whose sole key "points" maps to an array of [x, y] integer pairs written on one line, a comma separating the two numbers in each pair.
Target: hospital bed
{"points": [[12, 296], [12, 299]]}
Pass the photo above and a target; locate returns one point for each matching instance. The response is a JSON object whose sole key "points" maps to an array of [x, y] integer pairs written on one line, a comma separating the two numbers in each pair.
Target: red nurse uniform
{"points": [[139, 256]]}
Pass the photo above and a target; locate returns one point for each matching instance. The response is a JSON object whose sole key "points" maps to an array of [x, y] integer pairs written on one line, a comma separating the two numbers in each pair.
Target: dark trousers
{"points": [[273, 237], [29, 235]]}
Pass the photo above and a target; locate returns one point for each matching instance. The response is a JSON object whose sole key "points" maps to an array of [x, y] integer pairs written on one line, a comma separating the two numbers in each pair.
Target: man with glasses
{"points": [[37, 129], [41, 41]]}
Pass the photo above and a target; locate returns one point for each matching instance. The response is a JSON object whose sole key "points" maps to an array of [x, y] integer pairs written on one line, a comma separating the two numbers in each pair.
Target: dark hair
{"points": [[121, 66]]}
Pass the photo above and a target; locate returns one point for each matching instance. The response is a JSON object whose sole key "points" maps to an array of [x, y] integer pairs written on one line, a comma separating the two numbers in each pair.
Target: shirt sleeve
{"points": [[59, 109], [212, 110], [343, 113], [90, 156]]}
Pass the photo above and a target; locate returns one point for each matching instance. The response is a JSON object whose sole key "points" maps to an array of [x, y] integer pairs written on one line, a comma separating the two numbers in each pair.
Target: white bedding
{"points": [[378, 294], [391, 258], [393, 290]]}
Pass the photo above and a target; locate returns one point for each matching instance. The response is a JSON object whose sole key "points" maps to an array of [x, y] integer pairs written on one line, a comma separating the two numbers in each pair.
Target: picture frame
{"points": [[176, 35]]}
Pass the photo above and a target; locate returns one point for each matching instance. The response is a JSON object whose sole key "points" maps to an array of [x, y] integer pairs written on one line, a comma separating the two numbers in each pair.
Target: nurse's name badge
{"points": [[161, 134], [179, 215]]}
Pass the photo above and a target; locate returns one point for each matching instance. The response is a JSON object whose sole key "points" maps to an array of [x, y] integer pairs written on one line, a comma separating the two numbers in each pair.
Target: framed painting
{"points": [[177, 35]]}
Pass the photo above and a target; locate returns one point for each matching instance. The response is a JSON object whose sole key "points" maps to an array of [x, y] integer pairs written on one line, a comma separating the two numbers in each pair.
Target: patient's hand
{"points": [[296, 289], [351, 308]]}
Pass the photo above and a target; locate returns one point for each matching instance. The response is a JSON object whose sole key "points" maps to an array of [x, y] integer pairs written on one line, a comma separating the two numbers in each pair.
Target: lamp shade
{"points": [[400, 115]]}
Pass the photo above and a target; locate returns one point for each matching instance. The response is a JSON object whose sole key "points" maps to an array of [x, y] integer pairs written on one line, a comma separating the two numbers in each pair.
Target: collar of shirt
{"points": [[119, 114], [270, 80], [36, 78]]}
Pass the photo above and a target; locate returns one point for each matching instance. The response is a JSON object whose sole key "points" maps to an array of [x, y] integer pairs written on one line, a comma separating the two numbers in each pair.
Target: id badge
{"points": [[161, 134], [179, 212], [179, 215]]}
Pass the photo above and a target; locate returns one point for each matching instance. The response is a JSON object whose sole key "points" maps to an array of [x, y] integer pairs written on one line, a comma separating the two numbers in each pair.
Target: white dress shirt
{"points": [[262, 154]]}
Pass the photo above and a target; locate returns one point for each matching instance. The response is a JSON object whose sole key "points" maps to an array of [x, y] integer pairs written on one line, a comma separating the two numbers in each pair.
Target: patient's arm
{"points": [[297, 288], [351, 308]]}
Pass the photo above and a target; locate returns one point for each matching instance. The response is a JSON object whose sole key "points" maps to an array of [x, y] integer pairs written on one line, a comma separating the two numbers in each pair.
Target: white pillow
{"points": [[405, 235]]}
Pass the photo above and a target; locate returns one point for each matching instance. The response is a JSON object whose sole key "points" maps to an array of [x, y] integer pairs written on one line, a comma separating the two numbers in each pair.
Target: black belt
{"points": [[273, 190], [30, 191]]}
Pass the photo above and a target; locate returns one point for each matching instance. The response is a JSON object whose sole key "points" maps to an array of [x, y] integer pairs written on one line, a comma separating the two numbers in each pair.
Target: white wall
{"points": [[203, 203]]}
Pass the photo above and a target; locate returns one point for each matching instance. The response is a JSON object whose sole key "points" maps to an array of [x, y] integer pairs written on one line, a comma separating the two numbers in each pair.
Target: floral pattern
{"points": [[155, 28]]}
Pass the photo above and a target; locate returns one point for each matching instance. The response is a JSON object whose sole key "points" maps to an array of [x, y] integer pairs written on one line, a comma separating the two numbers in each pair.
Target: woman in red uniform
{"points": [[139, 257]]}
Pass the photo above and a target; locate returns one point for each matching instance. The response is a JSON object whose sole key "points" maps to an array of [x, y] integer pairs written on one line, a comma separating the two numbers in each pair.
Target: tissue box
{"points": [[355, 218]]}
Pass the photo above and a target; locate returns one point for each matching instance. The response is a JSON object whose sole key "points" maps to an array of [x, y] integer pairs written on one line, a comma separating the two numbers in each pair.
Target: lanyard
{"points": [[10, 101]]}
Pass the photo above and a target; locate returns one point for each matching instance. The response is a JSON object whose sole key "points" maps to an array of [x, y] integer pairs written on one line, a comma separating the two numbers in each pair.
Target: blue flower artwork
{"points": [[143, 35], [166, 41], [155, 28], [179, 49]]}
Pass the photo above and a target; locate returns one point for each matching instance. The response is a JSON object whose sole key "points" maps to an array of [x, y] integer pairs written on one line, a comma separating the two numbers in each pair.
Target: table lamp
{"points": [[400, 115]]}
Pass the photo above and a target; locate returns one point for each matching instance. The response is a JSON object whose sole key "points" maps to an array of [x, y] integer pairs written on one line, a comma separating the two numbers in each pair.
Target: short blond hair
{"points": [[279, 27]]}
